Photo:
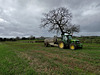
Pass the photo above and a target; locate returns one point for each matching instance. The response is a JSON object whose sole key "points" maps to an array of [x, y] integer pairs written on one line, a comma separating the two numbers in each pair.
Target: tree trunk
{"points": [[61, 30]]}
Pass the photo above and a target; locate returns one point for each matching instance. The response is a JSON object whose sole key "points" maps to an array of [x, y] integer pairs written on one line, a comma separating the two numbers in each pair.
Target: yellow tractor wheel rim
{"points": [[72, 47], [61, 45]]}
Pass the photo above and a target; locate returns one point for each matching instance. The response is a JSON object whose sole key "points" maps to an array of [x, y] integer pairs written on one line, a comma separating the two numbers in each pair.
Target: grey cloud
{"points": [[23, 17]]}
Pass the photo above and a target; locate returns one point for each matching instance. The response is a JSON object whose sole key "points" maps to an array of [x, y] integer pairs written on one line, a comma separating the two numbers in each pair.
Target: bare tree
{"points": [[59, 20]]}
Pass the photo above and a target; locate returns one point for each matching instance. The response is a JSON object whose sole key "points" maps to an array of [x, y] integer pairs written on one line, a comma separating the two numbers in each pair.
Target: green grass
{"points": [[18, 58]]}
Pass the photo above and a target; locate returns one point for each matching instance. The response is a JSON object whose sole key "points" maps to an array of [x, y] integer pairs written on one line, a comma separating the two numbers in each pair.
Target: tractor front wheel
{"points": [[61, 45], [72, 46]]}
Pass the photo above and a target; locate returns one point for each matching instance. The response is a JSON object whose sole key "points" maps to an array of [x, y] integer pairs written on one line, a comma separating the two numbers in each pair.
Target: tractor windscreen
{"points": [[70, 37]]}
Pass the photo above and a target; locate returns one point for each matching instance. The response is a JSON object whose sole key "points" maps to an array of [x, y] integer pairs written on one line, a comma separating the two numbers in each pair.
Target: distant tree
{"points": [[31, 37], [24, 38], [4, 39], [0, 39], [17, 38], [59, 20], [42, 37]]}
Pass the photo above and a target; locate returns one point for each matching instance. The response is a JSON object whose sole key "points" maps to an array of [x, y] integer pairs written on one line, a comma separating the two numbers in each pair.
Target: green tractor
{"points": [[68, 42], [65, 42]]}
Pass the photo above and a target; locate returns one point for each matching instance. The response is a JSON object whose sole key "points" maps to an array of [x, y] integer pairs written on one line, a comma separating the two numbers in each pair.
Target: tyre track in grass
{"points": [[71, 62], [43, 65]]}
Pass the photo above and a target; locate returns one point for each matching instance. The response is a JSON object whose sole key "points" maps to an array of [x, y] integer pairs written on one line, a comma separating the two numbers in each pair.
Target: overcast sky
{"points": [[23, 17]]}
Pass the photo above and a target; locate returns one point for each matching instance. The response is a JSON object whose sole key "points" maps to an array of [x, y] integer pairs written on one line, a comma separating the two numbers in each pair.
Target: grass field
{"points": [[18, 58]]}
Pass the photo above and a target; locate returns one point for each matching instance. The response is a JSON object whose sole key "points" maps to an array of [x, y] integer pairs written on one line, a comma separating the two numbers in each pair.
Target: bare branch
{"points": [[59, 20]]}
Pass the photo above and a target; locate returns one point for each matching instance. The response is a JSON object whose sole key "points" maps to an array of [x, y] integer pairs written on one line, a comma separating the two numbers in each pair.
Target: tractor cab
{"points": [[66, 38]]}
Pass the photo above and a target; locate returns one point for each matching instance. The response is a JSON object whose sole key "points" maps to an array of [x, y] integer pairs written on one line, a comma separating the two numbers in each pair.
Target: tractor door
{"points": [[69, 39], [65, 39]]}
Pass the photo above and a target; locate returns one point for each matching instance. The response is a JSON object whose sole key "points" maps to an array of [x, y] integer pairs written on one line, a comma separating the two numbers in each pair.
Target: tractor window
{"points": [[64, 38], [70, 37]]}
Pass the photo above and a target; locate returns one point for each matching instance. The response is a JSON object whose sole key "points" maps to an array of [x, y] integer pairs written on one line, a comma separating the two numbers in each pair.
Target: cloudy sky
{"points": [[23, 17]]}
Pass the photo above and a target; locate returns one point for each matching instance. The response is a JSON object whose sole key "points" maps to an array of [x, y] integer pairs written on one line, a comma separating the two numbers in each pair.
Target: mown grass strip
{"points": [[10, 64], [80, 61]]}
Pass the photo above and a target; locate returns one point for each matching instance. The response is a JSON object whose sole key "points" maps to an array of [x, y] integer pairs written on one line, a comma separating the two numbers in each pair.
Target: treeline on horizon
{"points": [[17, 38], [83, 39], [22, 38]]}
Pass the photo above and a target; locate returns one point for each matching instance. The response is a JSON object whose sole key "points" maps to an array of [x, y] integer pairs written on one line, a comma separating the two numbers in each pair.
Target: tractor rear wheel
{"points": [[61, 45], [72, 46]]}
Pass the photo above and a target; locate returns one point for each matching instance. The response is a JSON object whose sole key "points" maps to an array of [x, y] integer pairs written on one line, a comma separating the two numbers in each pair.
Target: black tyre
{"points": [[72, 46], [81, 47], [46, 44], [61, 45]]}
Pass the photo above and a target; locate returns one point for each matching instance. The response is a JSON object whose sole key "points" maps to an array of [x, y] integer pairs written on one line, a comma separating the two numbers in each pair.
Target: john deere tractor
{"points": [[65, 42], [68, 42]]}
